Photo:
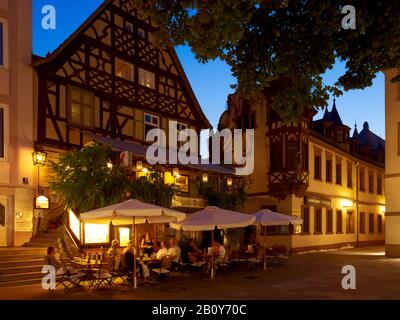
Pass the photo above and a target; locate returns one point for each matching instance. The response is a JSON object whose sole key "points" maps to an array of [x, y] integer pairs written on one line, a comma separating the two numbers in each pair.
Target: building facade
{"points": [[392, 166], [111, 83], [17, 172], [313, 169]]}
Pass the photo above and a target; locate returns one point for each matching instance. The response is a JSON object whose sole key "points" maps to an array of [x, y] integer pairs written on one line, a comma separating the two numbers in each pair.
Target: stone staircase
{"points": [[23, 266]]}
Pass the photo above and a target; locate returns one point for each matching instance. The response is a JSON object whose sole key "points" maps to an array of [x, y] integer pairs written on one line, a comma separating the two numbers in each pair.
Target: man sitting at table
{"points": [[174, 252]]}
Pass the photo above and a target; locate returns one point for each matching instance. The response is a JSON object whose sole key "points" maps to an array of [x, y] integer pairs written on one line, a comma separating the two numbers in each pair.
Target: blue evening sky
{"points": [[211, 82]]}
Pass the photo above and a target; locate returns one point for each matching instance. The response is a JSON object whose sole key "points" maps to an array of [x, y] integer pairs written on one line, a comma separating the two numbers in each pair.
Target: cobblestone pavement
{"points": [[315, 275]]}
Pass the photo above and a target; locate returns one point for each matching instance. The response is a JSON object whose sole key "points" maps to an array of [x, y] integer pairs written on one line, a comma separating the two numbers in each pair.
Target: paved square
{"points": [[315, 275]]}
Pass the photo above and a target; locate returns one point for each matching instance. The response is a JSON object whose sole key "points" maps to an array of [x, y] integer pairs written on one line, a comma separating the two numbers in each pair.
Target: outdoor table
{"points": [[88, 268]]}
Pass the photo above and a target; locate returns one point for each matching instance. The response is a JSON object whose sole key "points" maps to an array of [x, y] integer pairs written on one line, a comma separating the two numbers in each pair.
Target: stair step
{"points": [[21, 263], [20, 282], [21, 276], [42, 244], [21, 269]]}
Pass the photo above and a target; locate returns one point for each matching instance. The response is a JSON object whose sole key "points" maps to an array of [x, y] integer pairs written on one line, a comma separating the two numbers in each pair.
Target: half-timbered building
{"points": [[111, 82]]}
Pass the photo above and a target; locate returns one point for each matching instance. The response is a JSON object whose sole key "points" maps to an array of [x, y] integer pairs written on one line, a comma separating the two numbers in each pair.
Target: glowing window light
{"points": [[97, 233], [42, 202], [74, 225], [124, 236]]}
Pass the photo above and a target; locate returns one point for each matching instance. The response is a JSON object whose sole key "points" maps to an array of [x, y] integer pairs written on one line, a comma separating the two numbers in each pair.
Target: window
{"points": [[124, 236], [380, 225], [2, 43], [97, 233], [124, 70], [370, 181], [362, 179], [328, 170], [276, 155], [146, 78], [350, 222], [141, 34], [129, 27], [338, 172], [3, 133], [81, 108], [306, 220], [362, 222], [182, 183], [379, 184], [180, 127], [339, 221], [75, 225], [340, 136], [150, 122], [318, 220], [317, 167], [349, 174], [305, 156], [329, 221], [292, 160], [371, 223]]}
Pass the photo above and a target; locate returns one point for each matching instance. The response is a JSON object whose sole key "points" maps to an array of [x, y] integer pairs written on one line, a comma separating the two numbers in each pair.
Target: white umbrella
{"points": [[132, 212], [122, 214], [213, 217], [268, 218]]}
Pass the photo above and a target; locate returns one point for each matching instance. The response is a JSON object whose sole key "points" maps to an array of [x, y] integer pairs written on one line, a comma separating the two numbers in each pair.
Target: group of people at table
{"points": [[151, 254]]}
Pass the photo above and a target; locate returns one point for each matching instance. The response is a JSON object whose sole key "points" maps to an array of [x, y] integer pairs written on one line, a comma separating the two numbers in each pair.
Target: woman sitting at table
{"points": [[163, 251], [219, 253], [147, 245], [128, 262], [113, 253], [51, 260]]}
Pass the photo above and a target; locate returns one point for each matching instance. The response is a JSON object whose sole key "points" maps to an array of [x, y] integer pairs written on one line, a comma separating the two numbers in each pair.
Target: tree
{"points": [[87, 179], [231, 198], [152, 189], [298, 40]]}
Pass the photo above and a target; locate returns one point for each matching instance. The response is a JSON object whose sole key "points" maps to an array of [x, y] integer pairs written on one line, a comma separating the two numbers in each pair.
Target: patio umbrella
{"points": [[267, 218], [213, 217], [132, 212]]}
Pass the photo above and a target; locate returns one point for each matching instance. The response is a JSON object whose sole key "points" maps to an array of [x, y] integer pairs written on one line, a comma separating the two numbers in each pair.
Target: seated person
{"points": [[219, 252], [163, 252], [128, 262], [190, 252], [51, 260], [174, 252], [147, 245], [113, 252]]}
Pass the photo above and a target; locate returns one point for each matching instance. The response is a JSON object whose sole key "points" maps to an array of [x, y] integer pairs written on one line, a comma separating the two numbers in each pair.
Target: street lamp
{"points": [[39, 158]]}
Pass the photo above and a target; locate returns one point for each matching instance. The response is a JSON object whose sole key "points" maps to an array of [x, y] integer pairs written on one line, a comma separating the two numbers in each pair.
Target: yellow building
{"points": [[392, 166], [17, 182], [314, 170]]}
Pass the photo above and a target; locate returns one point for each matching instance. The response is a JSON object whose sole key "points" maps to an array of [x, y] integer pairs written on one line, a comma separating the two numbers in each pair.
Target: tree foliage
{"points": [[265, 40], [152, 189], [232, 198], [86, 180]]}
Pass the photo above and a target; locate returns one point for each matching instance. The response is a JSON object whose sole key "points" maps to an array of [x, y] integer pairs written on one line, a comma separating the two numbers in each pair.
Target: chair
{"points": [[225, 265], [102, 279], [165, 266], [119, 273]]}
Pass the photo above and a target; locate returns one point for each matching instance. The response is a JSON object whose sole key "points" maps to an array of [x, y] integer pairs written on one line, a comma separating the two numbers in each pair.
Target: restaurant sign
{"points": [[186, 202], [316, 201]]}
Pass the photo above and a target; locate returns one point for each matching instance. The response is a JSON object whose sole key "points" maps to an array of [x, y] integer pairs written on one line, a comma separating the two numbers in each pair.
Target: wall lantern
{"points": [[39, 158], [383, 209], [42, 202], [229, 182], [139, 166], [205, 177], [175, 173]]}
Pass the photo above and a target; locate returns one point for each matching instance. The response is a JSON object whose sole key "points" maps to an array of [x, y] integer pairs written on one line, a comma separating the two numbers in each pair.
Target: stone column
{"points": [[392, 164]]}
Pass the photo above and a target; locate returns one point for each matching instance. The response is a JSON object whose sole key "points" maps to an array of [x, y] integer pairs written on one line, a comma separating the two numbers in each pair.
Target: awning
{"points": [[140, 150]]}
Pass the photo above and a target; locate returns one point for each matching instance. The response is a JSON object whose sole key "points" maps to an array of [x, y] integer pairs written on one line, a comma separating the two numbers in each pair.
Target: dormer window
{"points": [[129, 27], [141, 34]]}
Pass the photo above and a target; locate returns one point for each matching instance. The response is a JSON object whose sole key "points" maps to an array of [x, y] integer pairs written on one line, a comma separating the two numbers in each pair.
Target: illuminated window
{"points": [[146, 78], [124, 70], [74, 225], [150, 122], [81, 107], [124, 236], [97, 233], [169, 178], [182, 183]]}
